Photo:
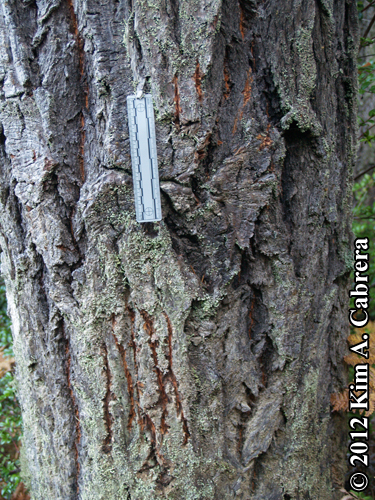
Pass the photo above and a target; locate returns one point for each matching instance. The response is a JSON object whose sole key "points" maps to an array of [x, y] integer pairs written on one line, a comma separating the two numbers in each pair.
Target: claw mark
{"points": [[265, 138], [235, 124], [154, 452], [129, 379], [134, 347], [247, 90], [226, 81], [246, 98], [150, 424], [198, 81], [163, 399], [175, 383], [201, 153]]}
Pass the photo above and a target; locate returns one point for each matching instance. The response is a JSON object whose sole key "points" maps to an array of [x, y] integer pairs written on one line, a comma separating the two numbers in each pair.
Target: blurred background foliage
{"points": [[10, 414]]}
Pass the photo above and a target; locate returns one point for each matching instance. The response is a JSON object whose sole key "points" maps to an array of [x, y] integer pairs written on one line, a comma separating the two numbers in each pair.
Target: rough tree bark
{"points": [[192, 358]]}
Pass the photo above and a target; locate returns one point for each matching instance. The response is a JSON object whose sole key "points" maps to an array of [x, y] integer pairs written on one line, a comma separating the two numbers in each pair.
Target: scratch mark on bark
{"points": [[175, 383], [129, 379], [201, 153], [265, 138], [198, 81], [134, 347], [226, 80], [247, 90], [75, 407], [235, 123], [163, 399], [246, 97], [145, 421], [154, 452], [108, 396], [151, 426]]}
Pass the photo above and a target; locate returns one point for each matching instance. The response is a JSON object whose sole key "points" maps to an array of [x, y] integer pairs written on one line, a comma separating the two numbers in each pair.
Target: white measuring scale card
{"points": [[144, 158]]}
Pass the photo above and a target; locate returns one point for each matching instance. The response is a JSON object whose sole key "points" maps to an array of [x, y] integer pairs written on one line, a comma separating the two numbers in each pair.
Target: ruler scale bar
{"points": [[144, 158]]}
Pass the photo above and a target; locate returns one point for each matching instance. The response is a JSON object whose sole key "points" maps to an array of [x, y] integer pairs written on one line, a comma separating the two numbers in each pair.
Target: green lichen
{"points": [[295, 98]]}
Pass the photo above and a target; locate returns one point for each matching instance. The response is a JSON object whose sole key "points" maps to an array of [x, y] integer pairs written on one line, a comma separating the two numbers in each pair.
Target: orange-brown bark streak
{"points": [[247, 90], [129, 379], [163, 399], [151, 426], [201, 153], [226, 81], [134, 347], [265, 138], [175, 383], [198, 81], [235, 123], [246, 98]]}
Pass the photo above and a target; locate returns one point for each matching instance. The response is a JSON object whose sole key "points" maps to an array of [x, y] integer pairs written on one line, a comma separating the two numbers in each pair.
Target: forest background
{"points": [[11, 486]]}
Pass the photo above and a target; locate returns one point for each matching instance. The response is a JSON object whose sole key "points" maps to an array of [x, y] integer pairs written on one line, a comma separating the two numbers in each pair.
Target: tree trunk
{"points": [[192, 358]]}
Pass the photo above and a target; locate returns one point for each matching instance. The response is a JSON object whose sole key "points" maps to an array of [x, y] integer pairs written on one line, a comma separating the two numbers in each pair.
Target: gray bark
{"points": [[192, 358]]}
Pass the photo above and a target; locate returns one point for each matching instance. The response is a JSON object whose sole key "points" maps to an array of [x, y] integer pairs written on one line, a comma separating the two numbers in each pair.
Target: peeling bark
{"points": [[192, 358]]}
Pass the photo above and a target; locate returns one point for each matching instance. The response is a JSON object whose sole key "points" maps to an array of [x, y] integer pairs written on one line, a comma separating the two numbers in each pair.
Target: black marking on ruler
{"points": [[144, 158]]}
